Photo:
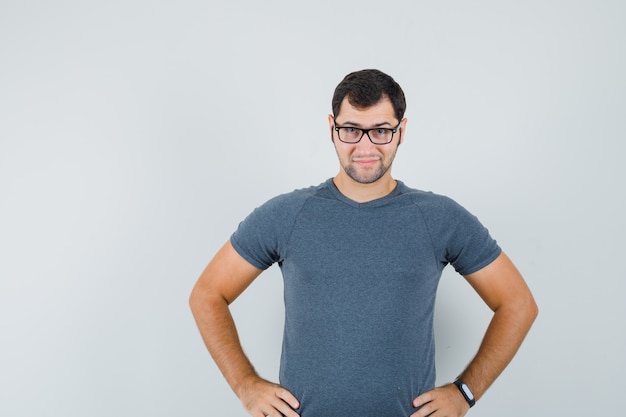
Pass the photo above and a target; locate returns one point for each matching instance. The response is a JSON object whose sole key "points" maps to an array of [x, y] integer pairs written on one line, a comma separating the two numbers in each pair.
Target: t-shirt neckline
{"points": [[372, 203]]}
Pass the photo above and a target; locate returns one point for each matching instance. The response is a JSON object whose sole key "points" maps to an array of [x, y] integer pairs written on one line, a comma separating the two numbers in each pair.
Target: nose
{"points": [[365, 143]]}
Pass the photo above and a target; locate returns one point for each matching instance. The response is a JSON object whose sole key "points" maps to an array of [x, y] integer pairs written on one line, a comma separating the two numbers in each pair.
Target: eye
{"points": [[380, 133]]}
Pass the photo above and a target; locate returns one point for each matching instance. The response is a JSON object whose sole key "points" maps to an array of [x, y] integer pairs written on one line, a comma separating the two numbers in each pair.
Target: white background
{"points": [[135, 135]]}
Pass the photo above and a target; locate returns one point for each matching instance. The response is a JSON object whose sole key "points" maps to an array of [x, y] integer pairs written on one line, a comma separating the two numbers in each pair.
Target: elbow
{"points": [[193, 301], [528, 309], [197, 299], [204, 302], [522, 310], [534, 310]]}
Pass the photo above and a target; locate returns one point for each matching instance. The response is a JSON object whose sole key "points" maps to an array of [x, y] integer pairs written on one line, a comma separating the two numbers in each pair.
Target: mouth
{"points": [[368, 161]]}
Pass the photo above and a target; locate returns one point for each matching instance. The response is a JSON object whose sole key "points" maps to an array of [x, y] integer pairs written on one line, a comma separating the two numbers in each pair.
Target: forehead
{"points": [[378, 113]]}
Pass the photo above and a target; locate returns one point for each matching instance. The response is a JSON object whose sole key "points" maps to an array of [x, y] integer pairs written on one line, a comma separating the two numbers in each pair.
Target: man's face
{"points": [[365, 162]]}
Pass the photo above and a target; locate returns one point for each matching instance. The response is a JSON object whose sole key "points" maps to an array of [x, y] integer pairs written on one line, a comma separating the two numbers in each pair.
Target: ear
{"points": [[331, 124], [402, 130]]}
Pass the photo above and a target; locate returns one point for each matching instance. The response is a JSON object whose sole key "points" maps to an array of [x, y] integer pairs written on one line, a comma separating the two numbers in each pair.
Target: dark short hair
{"points": [[367, 87]]}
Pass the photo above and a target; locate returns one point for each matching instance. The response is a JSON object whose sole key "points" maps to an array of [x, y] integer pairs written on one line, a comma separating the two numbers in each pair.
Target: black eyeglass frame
{"points": [[366, 132]]}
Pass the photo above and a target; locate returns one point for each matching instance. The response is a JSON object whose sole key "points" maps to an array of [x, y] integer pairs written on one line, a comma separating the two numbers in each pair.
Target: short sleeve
{"points": [[459, 238], [261, 238]]}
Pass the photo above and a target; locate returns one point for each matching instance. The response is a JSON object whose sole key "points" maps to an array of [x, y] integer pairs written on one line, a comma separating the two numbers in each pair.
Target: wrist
{"points": [[244, 383], [466, 392]]}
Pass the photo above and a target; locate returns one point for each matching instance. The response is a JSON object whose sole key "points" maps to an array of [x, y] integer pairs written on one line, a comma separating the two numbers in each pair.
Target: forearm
{"points": [[220, 336], [223, 280], [504, 335]]}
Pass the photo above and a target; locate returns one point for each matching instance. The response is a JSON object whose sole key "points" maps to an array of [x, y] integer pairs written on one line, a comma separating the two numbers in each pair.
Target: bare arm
{"points": [[504, 290], [223, 280]]}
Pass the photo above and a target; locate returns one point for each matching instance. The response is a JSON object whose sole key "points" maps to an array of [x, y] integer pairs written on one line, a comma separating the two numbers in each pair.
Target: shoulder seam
{"points": [[427, 227], [295, 217]]}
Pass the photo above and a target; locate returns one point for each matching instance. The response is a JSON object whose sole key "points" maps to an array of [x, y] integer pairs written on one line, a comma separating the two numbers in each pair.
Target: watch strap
{"points": [[466, 392]]}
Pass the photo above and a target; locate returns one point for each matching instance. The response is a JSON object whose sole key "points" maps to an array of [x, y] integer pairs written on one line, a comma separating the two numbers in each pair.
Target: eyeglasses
{"points": [[377, 135]]}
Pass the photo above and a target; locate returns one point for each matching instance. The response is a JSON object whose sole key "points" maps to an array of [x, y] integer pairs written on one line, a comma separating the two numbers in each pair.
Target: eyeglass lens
{"points": [[353, 135]]}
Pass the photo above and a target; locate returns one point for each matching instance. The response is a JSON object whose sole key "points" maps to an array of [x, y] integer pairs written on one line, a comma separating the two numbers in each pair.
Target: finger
{"points": [[426, 410], [274, 411], [285, 408], [288, 397], [281, 410], [286, 411], [423, 399]]}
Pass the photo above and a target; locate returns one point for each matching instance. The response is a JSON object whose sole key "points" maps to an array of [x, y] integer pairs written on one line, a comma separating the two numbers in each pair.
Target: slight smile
{"points": [[366, 161]]}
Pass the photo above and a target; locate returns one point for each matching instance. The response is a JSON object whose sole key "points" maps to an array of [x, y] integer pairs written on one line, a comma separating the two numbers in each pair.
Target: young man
{"points": [[361, 256]]}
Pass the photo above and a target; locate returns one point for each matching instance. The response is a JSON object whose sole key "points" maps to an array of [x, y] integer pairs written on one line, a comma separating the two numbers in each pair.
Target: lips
{"points": [[366, 161], [370, 157]]}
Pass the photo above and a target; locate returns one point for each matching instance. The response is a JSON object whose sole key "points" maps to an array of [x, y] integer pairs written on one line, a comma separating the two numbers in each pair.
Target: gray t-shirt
{"points": [[360, 281]]}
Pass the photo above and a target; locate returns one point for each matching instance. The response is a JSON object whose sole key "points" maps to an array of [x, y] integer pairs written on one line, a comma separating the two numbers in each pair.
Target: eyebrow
{"points": [[349, 123]]}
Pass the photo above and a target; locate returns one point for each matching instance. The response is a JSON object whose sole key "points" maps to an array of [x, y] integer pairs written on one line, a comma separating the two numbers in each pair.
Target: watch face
{"points": [[467, 391]]}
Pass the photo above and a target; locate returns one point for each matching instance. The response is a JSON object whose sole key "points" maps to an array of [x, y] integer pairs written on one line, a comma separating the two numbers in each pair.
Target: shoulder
{"points": [[285, 207], [458, 236], [437, 210], [428, 201], [261, 238], [293, 200]]}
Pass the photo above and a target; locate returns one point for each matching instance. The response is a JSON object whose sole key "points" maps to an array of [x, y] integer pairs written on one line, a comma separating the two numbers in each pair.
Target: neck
{"points": [[362, 193]]}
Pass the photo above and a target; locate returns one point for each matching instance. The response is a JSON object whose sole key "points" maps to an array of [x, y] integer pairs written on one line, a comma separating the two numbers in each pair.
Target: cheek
{"points": [[341, 147]]}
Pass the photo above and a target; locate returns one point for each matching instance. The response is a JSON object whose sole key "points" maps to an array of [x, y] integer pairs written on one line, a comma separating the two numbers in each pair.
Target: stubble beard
{"points": [[366, 177], [371, 175]]}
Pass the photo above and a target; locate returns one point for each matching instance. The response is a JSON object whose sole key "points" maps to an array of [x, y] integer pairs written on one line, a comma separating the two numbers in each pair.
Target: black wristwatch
{"points": [[467, 393]]}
